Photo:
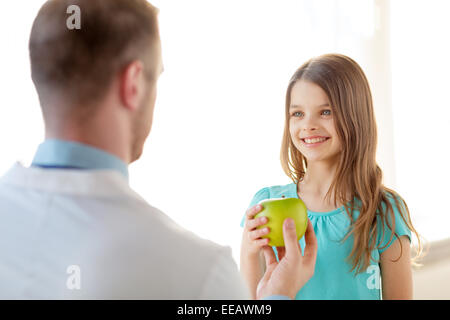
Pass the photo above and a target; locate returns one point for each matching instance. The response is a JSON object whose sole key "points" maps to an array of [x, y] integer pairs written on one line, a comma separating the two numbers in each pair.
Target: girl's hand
{"points": [[251, 239]]}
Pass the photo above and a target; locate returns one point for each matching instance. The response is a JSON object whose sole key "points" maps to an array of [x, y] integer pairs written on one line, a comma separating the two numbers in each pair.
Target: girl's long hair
{"points": [[357, 174]]}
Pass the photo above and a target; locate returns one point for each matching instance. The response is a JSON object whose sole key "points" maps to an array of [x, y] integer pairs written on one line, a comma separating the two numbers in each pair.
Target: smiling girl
{"points": [[329, 145]]}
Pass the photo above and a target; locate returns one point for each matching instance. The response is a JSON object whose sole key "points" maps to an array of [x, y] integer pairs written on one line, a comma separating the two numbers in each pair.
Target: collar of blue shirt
{"points": [[55, 153]]}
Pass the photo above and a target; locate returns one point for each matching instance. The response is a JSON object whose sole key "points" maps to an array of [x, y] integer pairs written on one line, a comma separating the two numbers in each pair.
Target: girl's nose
{"points": [[309, 126], [309, 123]]}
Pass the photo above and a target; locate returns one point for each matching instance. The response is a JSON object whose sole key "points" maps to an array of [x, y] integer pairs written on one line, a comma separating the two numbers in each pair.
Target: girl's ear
{"points": [[131, 85]]}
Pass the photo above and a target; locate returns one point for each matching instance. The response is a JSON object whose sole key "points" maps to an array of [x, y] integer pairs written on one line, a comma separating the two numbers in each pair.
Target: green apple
{"points": [[277, 210]]}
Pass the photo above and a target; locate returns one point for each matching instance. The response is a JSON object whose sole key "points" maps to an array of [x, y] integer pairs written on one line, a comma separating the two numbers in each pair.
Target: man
{"points": [[71, 226]]}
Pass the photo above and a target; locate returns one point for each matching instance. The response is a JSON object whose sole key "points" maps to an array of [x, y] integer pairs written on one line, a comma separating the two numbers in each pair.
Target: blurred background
{"points": [[219, 114]]}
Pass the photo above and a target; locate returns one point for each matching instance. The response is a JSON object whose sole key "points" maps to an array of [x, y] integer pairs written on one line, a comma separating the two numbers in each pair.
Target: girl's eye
{"points": [[326, 112], [297, 114]]}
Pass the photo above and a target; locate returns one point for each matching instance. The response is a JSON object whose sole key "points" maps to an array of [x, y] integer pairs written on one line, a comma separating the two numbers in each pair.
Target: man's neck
{"points": [[104, 130]]}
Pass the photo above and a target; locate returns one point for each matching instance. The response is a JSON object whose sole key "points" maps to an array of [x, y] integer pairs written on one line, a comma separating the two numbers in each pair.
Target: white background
{"points": [[219, 114]]}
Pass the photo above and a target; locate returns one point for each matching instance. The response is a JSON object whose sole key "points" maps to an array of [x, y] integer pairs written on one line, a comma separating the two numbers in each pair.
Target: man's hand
{"points": [[293, 270]]}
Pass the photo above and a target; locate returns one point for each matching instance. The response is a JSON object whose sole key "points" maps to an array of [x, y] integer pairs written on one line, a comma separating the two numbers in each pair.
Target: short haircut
{"points": [[79, 64]]}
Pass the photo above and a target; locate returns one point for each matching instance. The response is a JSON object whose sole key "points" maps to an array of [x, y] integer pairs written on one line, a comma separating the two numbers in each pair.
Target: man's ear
{"points": [[131, 85]]}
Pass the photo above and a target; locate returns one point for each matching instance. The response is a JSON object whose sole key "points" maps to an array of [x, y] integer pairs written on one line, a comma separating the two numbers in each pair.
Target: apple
{"points": [[277, 210]]}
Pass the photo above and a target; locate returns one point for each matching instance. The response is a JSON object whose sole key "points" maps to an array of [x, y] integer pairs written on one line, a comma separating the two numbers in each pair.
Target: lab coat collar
{"points": [[94, 183], [56, 153]]}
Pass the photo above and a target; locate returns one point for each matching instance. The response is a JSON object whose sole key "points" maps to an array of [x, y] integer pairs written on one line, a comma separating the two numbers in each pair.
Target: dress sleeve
{"points": [[260, 195], [400, 226]]}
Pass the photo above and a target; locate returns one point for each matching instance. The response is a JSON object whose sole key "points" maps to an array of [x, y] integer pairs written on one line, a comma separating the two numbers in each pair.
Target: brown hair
{"points": [[79, 64], [357, 174]]}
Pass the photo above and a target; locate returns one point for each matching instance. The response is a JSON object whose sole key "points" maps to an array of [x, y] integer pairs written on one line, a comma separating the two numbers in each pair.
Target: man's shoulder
{"points": [[133, 219], [124, 247], [149, 255]]}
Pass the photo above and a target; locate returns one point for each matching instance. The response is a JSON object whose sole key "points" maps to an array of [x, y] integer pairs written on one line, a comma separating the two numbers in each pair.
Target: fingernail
{"points": [[290, 223]]}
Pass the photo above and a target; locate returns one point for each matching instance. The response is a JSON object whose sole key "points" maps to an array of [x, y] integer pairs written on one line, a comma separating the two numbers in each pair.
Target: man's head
{"points": [[108, 69]]}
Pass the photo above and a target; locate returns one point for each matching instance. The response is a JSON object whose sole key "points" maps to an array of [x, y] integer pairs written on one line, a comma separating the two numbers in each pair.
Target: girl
{"points": [[363, 228]]}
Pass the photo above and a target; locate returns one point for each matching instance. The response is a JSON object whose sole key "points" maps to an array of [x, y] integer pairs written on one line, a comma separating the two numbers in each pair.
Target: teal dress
{"points": [[332, 278]]}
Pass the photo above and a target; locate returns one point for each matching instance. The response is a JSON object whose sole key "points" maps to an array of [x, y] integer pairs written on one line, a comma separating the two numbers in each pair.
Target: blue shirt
{"points": [[55, 153], [332, 278]]}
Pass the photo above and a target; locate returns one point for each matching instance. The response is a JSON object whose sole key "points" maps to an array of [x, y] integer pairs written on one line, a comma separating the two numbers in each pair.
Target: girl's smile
{"points": [[314, 141]]}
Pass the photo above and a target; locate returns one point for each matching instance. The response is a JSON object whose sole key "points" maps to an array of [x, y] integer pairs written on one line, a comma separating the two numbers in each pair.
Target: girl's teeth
{"points": [[315, 140]]}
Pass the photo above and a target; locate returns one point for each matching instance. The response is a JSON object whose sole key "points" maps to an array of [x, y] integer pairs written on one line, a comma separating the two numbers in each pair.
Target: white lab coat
{"points": [[84, 234]]}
